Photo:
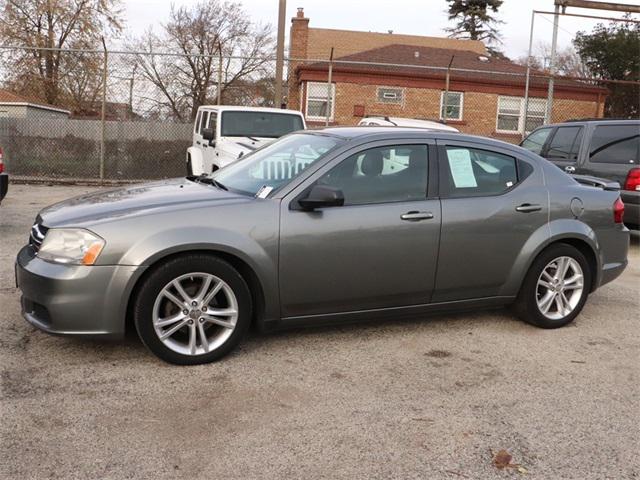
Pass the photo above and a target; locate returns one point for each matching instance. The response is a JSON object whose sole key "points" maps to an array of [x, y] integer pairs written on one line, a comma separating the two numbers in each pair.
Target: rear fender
{"points": [[555, 231]]}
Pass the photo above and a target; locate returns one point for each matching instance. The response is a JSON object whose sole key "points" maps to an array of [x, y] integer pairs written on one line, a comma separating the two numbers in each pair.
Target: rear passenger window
{"points": [[565, 144], [474, 172], [615, 144]]}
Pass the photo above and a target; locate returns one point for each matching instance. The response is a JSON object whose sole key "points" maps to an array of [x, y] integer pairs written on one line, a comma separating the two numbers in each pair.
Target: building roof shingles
{"points": [[413, 61]]}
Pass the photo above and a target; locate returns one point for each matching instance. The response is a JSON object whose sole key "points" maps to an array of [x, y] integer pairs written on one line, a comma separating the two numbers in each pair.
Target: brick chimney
{"points": [[299, 36], [298, 42]]}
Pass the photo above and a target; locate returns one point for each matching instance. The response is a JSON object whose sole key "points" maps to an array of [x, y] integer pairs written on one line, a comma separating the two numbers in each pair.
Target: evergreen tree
{"points": [[475, 20]]}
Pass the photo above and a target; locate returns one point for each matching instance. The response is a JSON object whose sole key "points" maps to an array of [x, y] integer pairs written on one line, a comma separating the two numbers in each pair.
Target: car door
{"points": [[379, 249], [563, 147], [200, 123], [492, 201]]}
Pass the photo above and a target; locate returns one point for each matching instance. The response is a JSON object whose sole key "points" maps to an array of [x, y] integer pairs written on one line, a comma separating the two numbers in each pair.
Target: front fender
{"points": [[554, 231], [149, 249]]}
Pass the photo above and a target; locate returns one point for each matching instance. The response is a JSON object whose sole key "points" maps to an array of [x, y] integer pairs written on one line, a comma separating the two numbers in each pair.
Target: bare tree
{"points": [[568, 62], [206, 36], [52, 25]]}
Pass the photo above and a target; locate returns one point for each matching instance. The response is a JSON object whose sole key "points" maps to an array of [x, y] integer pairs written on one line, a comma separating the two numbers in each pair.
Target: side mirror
{"points": [[209, 134], [322, 196]]}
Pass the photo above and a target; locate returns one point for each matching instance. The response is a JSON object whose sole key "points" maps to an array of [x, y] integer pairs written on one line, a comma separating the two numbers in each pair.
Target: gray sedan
{"points": [[329, 226]]}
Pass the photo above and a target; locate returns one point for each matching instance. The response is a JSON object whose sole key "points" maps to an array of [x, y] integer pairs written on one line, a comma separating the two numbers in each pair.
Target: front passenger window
{"points": [[382, 175]]}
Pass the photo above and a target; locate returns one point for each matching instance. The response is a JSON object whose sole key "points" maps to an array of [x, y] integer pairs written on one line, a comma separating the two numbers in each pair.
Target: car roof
{"points": [[366, 132], [222, 108], [593, 121]]}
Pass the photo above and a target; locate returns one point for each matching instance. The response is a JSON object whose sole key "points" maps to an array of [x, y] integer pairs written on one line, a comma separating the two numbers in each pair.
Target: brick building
{"points": [[405, 76]]}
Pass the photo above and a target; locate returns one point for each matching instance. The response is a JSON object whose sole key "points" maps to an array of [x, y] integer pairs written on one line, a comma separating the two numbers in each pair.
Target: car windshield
{"points": [[259, 124], [275, 165]]}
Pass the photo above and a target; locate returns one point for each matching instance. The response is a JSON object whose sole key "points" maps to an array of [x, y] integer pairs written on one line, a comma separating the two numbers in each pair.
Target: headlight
{"points": [[71, 245]]}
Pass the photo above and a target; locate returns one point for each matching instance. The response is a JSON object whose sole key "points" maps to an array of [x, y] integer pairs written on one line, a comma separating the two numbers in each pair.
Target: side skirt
{"points": [[391, 313]]}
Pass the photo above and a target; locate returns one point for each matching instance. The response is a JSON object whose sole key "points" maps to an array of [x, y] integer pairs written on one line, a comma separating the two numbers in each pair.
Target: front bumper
{"points": [[4, 185], [74, 299], [631, 202]]}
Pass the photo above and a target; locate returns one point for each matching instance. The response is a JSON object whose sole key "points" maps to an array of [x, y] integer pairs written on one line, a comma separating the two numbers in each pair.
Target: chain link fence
{"points": [[128, 116]]}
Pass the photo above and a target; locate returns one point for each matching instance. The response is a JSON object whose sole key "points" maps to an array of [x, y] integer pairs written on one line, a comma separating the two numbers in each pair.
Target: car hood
{"points": [[106, 205]]}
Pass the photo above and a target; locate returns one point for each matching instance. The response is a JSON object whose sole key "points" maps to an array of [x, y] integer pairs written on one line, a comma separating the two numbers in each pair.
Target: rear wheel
{"points": [[555, 288], [192, 309], [189, 167]]}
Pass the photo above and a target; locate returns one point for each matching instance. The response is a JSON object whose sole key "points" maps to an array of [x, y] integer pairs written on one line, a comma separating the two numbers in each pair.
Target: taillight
{"points": [[618, 210], [633, 180], [1, 162]]}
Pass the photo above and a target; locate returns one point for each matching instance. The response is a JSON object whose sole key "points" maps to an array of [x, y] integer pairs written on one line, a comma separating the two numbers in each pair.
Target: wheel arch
{"points": [[570, 231], [247, 272]]}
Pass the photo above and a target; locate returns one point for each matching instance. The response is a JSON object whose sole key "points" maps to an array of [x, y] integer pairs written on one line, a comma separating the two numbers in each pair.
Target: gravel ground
{"points": [[426, 398]]}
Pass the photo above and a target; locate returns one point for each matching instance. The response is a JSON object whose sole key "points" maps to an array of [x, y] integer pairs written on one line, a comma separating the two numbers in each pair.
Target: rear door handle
{"points": [[569, 169], [416, 216], [528, 207]]}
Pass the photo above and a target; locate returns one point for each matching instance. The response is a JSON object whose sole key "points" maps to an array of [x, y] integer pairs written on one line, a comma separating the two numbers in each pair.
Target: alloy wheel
{"points": [[559, 288], [195, 313]]}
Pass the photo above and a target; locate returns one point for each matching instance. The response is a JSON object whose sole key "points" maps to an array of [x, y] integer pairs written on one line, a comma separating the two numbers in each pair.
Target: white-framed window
{"points": [[455, 101], [390, 95], [316, 103], [510, 115]]}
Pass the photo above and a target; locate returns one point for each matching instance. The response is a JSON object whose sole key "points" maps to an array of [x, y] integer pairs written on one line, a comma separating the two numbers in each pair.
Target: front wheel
{"points": [[555, 288], [192, 309]]}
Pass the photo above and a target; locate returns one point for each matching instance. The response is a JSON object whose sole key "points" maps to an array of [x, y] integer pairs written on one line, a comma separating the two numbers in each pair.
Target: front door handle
{"points": [[570, 169], [414, 216], [528, 207]]}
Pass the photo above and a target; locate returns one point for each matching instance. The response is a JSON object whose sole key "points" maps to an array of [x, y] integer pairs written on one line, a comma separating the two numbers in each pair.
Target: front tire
{"points": [[555, 288], [192, 309]]}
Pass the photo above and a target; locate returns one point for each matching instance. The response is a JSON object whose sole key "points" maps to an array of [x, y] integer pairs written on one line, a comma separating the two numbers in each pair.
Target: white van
{"points": [[223, 134]]}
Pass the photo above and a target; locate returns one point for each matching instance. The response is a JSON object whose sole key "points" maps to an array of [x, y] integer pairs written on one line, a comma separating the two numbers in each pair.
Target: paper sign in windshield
{"points": [[461, 168]]}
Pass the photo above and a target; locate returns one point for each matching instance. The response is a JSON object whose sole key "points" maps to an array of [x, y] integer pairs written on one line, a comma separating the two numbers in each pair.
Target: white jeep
{"points": [[223, 134]]}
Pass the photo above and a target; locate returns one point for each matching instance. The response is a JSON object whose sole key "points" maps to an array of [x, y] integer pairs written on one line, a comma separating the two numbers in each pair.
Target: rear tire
{"points": [[189, 167], [555, 288], [192, 309]]}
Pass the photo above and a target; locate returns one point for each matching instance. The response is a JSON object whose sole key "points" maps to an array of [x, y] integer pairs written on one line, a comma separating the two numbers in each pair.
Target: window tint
{"points": [[203, 121], [473, 172], [384, 174], [565, 143], [259, 124], [535, 141], [615, 144], [213, 121]]}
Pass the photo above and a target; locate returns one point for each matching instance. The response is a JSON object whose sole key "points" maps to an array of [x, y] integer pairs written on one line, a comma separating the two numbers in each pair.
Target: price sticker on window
{"points": [[461, 168]]}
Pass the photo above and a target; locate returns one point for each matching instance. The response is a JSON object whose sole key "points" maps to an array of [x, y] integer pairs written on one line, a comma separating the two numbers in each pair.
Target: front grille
{"points": [[38, 231]]}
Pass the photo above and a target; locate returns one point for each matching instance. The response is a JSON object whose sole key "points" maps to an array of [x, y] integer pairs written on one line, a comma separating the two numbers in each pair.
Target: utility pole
{"points": [[552, 63], [280, 53]]}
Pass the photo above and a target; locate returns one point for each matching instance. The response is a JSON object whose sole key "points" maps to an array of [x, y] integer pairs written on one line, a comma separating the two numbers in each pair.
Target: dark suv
{"points": [[599, 147]]}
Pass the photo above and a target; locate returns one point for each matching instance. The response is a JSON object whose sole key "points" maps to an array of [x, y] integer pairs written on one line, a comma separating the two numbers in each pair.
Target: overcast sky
{"points": [[417, 17]]}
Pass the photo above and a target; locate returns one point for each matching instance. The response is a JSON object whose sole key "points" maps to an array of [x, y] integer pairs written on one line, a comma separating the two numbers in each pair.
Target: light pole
{"points": [[280, 53]]}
